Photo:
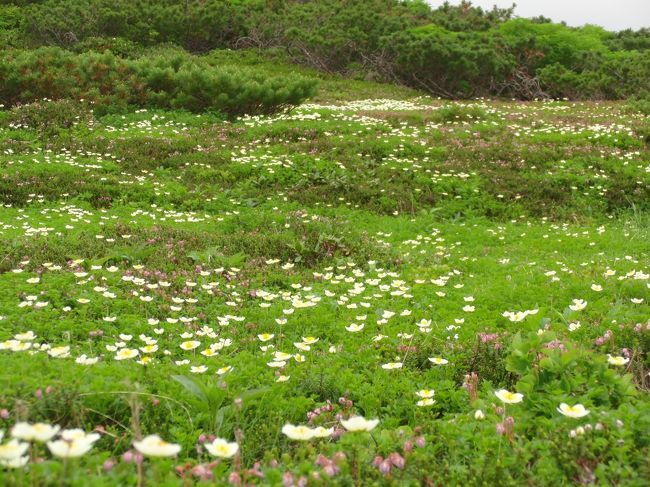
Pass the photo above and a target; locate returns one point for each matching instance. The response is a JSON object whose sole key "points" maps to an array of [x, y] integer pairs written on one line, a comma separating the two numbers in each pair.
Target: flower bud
{"points": [[479, 415], [339, 456], [234, 478], [322, 460], [127, 456], [287, 479], [397, 460]]}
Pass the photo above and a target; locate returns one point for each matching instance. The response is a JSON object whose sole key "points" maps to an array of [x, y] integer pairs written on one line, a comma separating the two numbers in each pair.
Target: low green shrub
{"points": [[163, 80], [48, 117], [445, 63], [638, 105]]}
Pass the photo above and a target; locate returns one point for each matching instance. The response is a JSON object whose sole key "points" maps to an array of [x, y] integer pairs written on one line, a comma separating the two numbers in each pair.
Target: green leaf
{"points": [[192, 387]]}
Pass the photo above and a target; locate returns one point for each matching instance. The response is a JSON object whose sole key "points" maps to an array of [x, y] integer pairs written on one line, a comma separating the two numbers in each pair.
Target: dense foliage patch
{"points": [[470, 278], [459, 51], [211, 274], [164, 80]]}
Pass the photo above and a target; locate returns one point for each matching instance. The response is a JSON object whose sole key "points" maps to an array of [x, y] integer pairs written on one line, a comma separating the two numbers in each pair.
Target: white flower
{"points": [[359, 423], [573, 326], [277, 363], [13, 450], [577, 411], [126, 353], [59, 352], [438, 361], [84, 360], [69, 448], [509, 397], [479, 415], [224, 370], [425, 402], [79, 435], [578, 305], [154, 446], [17, 462], [222, 448], [425, 393], [25, 337], [300, 433], [618, 361], [34, 432], [190, 345], [517, 316], [392, 365], [354, 327], [321, 432]]}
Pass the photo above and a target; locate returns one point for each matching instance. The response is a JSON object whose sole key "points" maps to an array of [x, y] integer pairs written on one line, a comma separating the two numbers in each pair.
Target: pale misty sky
{"points": [[611, 14]]}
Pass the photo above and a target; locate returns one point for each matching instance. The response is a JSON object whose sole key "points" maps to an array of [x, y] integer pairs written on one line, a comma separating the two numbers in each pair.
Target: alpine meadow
{"points": [[321, 243]]}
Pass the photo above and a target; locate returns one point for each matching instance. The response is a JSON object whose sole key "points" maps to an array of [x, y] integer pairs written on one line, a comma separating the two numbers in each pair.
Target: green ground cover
{"points": [[171, 273]]}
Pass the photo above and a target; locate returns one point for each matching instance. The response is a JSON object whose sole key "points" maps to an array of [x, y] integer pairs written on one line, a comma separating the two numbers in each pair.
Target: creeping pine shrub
{"points": [[638, 105], [166, 80]]}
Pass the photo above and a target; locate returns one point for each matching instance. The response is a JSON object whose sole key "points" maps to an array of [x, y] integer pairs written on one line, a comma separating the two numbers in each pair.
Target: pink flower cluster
{"points": [[311, 415], [330, 466], [605, 338]]}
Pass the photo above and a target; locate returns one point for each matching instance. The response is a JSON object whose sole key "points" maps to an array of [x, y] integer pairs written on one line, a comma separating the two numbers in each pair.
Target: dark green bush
{"points": [[165, 80], [619, 75], [117, 45], [197, 25], [10, 18], [451, 51], [329, 36], [447, 63]]}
